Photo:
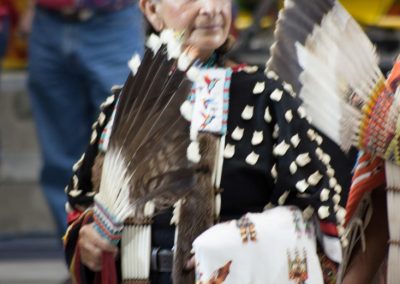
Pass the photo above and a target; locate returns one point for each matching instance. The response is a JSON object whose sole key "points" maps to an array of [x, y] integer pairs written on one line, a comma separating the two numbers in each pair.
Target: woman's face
{"points": [[205, 23]]}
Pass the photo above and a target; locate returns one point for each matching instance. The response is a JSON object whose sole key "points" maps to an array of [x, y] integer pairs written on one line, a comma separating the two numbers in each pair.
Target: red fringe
{"points": [[376, 179]]}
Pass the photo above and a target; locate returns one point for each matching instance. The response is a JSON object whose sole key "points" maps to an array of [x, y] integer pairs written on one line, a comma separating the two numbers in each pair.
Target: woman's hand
{"points": [[25, 21], [191, 263], [92, 245]]}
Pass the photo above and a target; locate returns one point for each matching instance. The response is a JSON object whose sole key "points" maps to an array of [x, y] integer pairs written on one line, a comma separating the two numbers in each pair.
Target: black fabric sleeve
{"points": [[80, 190], [302, 170]]}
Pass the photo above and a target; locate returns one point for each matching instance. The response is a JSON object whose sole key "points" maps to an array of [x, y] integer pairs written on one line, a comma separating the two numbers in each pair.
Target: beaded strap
{"points": [[106, 224], [379, 129]]}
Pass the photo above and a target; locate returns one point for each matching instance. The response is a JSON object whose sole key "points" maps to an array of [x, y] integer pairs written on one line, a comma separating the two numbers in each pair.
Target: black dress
{"points": [[267, 132]]}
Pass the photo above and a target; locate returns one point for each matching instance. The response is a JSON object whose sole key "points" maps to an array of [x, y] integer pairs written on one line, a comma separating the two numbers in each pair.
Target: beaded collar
{"points": [[207, 104]]}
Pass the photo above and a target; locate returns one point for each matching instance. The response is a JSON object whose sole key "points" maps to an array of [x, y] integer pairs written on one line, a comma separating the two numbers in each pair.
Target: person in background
{"points": [[6, 14], [77, 51], [7, 17]]}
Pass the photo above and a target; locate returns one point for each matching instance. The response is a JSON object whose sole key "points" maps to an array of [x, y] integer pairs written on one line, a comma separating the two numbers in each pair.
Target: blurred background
{"points": [[30, 251]]}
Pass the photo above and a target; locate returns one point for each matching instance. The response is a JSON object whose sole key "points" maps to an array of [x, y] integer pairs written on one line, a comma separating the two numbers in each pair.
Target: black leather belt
{"points": [[161, 259], [70, 15]]}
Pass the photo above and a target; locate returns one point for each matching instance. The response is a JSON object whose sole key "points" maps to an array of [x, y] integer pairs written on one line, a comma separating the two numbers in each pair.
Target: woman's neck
{"points": [[206, 55], [211, 61]]}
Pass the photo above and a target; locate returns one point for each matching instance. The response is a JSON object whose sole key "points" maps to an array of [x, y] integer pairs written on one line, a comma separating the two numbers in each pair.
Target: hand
{"points": [[191, 264], [92, 245], [25, 22]]}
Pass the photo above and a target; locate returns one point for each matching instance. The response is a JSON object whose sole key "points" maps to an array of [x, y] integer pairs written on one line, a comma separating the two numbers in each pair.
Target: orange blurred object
{"points": [[16, 56]]}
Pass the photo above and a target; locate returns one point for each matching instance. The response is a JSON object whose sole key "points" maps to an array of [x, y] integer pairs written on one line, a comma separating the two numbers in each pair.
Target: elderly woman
{"points": [[273, 163]]}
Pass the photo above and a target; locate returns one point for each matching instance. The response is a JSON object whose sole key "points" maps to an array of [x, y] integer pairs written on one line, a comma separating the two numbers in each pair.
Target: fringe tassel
{"points": [[393, 201], [175, 220], [135, 253], [217, 175], [355, 232], [136, 282], [219, 160]]}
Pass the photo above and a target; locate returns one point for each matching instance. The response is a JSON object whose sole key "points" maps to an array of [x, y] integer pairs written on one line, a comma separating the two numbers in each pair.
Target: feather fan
{"points": [[333, 66], [149, 102], [146, 168]]}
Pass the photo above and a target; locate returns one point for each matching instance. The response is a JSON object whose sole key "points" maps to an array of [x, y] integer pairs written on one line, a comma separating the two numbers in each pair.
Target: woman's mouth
{"points": [[208, 27]]}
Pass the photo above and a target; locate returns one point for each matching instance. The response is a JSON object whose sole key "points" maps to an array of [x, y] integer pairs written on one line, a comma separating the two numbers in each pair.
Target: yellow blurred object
{"points": [[16, 57], [267, 22], [245, 20], [389, 22], [368, 12]]}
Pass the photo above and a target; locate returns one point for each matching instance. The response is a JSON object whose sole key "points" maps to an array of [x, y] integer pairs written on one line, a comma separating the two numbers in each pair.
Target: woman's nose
{"points": [[211, 6]]}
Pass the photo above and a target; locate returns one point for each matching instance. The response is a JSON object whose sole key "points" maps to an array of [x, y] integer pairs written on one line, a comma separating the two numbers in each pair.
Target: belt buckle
{"points": [[161, 260], [78, 14], [85, 14]]}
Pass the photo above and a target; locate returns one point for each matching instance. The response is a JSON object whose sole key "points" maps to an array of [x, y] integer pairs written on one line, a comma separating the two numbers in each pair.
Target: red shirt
{"points": [[88, 4], [3, 11], [56, 4], [7, 9]]}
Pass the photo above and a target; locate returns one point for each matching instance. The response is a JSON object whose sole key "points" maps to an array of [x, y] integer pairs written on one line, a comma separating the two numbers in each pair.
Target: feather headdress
{"points": [[146, 168], [333, 66]]}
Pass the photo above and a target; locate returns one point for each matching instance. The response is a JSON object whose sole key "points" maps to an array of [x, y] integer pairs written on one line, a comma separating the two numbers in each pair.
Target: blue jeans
{"points": [[4, 33], [72, 66]]}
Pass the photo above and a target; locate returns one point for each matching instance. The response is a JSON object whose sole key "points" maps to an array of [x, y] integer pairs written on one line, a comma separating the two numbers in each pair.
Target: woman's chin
{"points": [[208, 44]]}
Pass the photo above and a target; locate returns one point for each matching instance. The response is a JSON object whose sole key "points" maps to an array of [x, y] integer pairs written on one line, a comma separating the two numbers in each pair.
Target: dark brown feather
{"points": [[133, 81], [138, 94], [197, 211], [153, 138], [97, 171]]}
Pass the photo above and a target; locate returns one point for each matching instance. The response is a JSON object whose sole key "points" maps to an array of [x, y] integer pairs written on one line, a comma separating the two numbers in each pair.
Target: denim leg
{"points": [[108, 41], [4, 34], [71, 70], [59, 106]]}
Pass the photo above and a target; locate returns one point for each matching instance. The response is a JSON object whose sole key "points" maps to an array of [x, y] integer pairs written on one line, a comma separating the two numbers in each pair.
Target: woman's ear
{"points": [[150, 9]]}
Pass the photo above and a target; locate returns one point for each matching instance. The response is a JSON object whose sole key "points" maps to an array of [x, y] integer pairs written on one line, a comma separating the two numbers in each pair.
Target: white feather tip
{"points": [[184, 62], [193, 74], [134, 63], [186, 110], [166, 36], [154, 43], [193, 152]]}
